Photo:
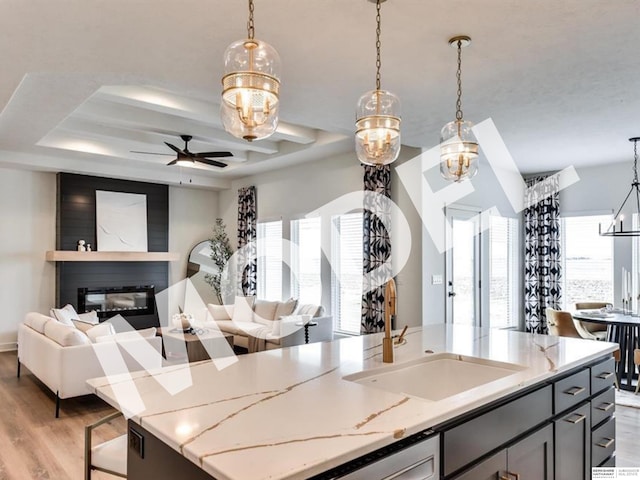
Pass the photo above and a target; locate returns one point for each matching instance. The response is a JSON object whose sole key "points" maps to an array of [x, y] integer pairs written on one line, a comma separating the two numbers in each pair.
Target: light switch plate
{"points": [[436, 280]]}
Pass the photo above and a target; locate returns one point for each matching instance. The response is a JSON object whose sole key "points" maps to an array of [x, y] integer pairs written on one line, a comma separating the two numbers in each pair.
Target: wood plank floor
{"points": [[36, 445]]}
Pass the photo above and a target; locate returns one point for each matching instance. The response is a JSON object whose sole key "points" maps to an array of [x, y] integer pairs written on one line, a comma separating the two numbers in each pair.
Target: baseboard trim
{"points": [[8, 347]]}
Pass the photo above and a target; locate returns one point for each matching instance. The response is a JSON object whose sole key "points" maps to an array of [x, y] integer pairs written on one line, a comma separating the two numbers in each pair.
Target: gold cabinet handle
{"points": [[516, 476], [576, 419], [573, 391], [605, 406], [605, 375], [607, 444]]}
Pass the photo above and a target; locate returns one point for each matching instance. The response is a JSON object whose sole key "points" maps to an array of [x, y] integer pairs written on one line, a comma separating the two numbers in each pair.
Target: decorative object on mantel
{"points": [[121, 221], [635, 187], [378, 117], [250, 87], [220, 254], [458, 144], [81, 247]]}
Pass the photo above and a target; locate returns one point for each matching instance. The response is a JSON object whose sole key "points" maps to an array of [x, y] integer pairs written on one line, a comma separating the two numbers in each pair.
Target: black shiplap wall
{"points": [[76, 219]]}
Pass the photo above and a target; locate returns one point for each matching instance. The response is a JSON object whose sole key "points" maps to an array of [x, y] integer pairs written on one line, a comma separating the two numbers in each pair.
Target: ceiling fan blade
{"points": [[174, 148], [212, 154], [213, 163], [151, 153], [172, 162]]}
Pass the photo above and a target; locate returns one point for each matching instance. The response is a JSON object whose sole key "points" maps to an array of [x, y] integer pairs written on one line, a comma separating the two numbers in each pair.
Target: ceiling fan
{"points": [[185, 157]]}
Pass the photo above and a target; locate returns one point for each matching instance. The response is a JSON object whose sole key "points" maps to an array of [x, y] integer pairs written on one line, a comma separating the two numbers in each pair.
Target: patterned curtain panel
{"points": [[376, 246], [247, 235], [542, 256]]}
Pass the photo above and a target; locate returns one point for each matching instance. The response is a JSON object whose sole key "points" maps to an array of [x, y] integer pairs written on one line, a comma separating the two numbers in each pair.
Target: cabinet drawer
{"points": [[471, 440], [603, 442], [602, 375], [571, 390], [603, 406]]}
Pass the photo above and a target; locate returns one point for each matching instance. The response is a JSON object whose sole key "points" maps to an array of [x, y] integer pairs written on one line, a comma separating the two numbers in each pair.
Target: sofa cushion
{"points": [[310, 309], [100, 330], [131, 335], [65, 315], [228, 326], [264, 311], [285, 308], [37, 321], [89, 317], [220, 312], [65, 335], [243, 309]]}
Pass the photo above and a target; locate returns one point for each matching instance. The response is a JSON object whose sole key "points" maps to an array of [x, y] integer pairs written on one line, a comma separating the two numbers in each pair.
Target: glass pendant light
{"points": [[458, 144], [378, 118], [250, 87]]}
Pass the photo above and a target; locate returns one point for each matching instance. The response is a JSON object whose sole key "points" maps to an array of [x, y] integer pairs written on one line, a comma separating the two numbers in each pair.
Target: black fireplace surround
{"points": [[110, 301]]}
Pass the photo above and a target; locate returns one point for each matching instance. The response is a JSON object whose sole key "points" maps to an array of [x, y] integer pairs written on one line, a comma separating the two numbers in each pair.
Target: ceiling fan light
{"points": [[250, 89], [458, 151], [185, 162]]}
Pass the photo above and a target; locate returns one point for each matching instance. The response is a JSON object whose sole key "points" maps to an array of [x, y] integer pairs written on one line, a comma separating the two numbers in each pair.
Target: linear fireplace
{"points": [[126, 301]]}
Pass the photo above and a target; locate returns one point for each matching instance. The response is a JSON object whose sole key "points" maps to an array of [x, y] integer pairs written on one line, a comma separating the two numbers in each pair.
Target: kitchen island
{"points": [[289, 413]]}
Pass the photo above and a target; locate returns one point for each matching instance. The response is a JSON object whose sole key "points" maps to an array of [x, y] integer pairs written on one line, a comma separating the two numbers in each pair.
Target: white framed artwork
{"points": [[121, 221]]}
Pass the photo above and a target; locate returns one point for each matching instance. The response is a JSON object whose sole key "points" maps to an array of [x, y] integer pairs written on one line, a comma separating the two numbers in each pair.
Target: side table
{"points": [[306, 326], [208, 344]]}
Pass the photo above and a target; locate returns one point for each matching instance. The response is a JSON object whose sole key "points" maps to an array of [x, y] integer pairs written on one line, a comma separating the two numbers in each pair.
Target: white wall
{"points": [[293, 192], [192, 214], [27, 281]]}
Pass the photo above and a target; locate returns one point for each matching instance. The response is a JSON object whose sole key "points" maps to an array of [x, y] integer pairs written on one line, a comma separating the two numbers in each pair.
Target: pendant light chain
{"points": [[635, 161], [459, 79], [378, 29], [250, 26]]}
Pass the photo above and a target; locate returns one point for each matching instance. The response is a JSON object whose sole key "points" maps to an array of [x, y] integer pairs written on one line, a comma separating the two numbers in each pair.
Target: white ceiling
{"points": [[84, 82]]}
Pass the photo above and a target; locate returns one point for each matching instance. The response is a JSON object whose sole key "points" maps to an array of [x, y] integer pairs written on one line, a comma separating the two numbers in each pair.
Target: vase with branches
{"points": [[220, 254]]}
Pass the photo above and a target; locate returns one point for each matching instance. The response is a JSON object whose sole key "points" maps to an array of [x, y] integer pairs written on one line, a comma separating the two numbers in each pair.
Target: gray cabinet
{"points": [[531, 457], [572, 445]]}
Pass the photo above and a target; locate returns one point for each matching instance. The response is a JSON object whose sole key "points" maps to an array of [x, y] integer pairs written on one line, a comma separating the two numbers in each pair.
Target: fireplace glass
{"points": [[126, 301]]}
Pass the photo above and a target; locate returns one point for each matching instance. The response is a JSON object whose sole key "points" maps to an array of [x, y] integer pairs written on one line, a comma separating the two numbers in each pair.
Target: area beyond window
{"points": [[306, 283], [503, 272], [587, 260], [269, 243], [346, 278]]}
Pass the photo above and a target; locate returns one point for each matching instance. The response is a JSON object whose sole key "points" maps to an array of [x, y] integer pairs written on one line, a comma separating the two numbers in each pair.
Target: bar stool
{"points": [[636, 362], [109, 457]]}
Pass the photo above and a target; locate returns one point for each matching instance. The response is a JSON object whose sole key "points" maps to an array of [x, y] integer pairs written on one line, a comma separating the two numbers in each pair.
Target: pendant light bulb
{"points": [[250, 87], [377, 135], [458, 145]]}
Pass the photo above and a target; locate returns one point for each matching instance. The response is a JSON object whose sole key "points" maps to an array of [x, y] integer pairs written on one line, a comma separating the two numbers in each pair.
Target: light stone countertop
{"points": [[288, 413]]}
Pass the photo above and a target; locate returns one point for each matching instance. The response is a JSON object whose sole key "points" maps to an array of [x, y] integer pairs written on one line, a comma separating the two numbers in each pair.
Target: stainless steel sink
{"points": [[436, 376]]}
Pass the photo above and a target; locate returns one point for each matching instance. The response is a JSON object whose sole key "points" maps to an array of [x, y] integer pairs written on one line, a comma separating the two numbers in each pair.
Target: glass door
{"points": [[462, 273]]}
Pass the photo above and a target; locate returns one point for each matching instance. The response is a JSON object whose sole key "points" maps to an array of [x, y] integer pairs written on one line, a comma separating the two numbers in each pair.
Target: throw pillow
{"points": [[132, 335], [89, 317], [286, 308], [65, 335], [264, 311], [243, 309], [65, 315], [220, 312], [100, 330], [310, 309]]}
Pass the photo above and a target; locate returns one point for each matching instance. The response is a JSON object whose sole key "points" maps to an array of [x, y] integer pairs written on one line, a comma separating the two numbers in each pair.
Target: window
{"points": [[503, 272], [269, 243], [346, 279], [306, 284], [587, 260]]}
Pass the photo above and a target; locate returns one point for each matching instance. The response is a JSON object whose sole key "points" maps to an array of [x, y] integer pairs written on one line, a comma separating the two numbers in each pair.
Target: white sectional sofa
{"points": [[64, 357], [264, 325]]}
